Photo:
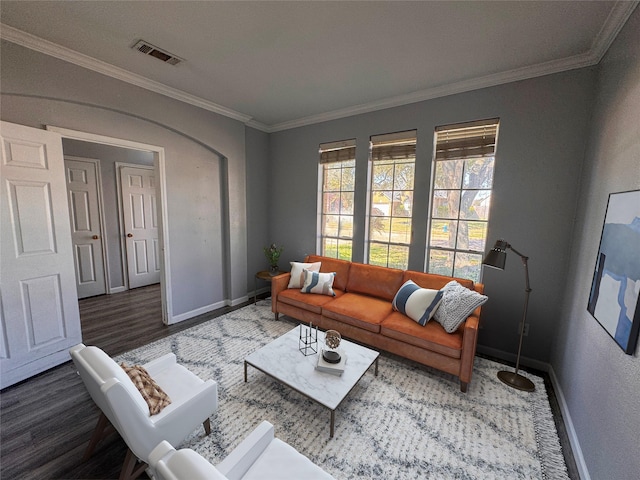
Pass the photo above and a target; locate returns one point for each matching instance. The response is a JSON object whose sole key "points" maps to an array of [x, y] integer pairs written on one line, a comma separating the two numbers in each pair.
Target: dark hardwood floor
{"points": [[46, 421]]}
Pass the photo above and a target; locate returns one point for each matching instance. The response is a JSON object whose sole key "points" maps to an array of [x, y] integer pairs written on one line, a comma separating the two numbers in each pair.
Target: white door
{"points": [[40, 318], [140, 220], [86, 231]]}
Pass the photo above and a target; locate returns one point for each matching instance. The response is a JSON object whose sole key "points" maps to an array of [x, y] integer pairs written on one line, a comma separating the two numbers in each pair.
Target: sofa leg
{"points": [[463, 386], [207, 426], [276, 314]]}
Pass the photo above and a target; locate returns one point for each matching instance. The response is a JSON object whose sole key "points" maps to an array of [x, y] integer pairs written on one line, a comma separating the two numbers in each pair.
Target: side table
{"points": [[262, 275]]}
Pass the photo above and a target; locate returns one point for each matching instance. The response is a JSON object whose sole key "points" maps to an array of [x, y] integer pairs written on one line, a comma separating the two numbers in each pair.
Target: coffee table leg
{"points": [[333, 420], [245, 372]]}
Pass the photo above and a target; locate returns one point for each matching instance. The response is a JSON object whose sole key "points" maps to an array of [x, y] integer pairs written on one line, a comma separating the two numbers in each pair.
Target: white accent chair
{"points": [[260, 456], [192, 402]]}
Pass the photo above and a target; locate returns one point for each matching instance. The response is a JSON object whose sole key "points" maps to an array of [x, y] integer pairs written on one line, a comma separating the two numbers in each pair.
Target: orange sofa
{"points": [[361, 310]]}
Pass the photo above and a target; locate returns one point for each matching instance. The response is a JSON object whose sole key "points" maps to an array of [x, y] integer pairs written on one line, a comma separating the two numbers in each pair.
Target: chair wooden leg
{"points": [[98, 434], [129, 470], [207, 426]]}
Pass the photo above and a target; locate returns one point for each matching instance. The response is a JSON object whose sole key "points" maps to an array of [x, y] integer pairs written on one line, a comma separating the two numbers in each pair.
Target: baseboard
{"points": [[238, 301], [194, 313], [511, 357], [259, 291], [571, 431]]}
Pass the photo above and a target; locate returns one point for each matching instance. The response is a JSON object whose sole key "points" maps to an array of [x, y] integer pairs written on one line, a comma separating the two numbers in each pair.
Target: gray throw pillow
{"points": [[457, 304]]}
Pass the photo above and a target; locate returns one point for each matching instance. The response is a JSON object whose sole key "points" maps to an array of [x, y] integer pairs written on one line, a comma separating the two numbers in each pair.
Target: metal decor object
{"points": [[308, 340], [332, 339]]}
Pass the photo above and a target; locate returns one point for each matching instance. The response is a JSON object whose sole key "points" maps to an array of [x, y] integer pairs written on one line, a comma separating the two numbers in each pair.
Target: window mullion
{"points": [[463, 162]]}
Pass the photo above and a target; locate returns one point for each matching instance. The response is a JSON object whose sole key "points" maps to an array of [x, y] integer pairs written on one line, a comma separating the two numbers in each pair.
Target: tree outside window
{"points": [[391, 198], [337, 165], [463, 178]]}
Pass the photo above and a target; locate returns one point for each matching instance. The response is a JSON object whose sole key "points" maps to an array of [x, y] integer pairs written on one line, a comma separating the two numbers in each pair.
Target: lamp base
{"points": [[516, 381]]}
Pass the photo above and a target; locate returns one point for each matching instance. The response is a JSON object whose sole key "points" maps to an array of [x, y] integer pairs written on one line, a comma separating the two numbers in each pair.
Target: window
{"points": [[338, 177], [392, 166], [463, 177]]}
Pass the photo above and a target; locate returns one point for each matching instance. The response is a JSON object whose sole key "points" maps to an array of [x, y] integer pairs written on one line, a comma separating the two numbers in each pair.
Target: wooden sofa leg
{"points": [[207, 426], [463, 387], [98, 434], [276, 313], [129, 470]]}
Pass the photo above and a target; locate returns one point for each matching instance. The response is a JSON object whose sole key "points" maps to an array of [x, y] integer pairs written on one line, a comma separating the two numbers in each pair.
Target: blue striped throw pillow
{"points": [[318, 282], [419, 304]]}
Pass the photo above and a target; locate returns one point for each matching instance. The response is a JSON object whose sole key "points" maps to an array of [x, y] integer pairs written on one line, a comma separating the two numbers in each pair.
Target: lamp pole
{"points": [[514, 379]]}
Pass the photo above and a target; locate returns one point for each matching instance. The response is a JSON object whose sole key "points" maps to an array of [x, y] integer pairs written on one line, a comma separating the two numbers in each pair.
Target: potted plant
{"points": [[272, 252]]}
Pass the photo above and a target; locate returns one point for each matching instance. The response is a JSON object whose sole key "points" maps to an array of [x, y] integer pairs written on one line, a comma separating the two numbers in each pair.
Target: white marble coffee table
{"points": [[282, 360]]}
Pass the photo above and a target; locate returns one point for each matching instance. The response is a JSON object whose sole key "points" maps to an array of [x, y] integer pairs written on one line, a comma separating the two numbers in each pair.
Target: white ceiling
{"points": [[277, 65]]}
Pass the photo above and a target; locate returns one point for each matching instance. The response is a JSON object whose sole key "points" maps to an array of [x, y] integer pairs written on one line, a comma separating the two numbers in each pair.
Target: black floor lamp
{"points": [[497, 258]]}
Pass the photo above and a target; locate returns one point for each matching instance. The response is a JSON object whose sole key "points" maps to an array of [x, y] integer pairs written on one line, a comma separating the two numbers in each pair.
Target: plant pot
{"points": [[274, 270]]}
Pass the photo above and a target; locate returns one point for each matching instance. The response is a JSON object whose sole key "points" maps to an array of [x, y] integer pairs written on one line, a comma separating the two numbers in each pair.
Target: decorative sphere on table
{"points": [[332, 339]]}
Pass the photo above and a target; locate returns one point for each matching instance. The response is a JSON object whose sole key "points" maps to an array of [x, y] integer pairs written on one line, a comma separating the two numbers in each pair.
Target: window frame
{"points": [[335, 153], [463, 151], [394, 144]]}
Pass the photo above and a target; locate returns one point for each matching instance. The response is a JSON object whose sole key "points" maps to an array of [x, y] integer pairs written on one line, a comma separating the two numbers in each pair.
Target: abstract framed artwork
{"points": [[613, 300]]}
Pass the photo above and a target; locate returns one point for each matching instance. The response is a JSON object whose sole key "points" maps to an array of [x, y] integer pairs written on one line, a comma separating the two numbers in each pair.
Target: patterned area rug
{"points": [[409, 422]]}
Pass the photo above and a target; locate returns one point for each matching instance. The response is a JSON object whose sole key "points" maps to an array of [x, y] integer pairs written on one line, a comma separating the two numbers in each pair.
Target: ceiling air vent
{"points": [[149, 49]]}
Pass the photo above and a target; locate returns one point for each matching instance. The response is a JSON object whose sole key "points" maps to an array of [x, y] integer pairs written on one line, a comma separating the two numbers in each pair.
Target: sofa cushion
{"points": [[419, 304], [374, 281], [458, 303], [297, 272], [358, 310], [318, 282], [312, 303], [341, 267], [432, 280], [430, 337]]}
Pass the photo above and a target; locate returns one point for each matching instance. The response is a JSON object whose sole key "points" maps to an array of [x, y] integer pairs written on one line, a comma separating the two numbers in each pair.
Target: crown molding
{"points": [[616, 19], [41, 45], [578, 61], [618, 16], [259, 126]]}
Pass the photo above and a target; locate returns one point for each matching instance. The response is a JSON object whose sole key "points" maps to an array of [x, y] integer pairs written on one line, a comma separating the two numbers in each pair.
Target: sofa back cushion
{"points": [[341, 267], [431, 280], [375, 281]]}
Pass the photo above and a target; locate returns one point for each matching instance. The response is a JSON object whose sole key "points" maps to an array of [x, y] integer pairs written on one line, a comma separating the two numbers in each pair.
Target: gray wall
{"points": [[598, 382], [209, 249], [543, 124], [258, 186], [108, 157]]}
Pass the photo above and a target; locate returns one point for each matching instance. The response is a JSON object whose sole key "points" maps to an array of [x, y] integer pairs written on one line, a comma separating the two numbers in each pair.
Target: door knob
{"points": [[95, 237], [129, 235]]}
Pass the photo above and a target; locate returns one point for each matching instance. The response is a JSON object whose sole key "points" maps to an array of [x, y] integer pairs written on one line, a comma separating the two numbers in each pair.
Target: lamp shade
{"points": [[497, 257]]}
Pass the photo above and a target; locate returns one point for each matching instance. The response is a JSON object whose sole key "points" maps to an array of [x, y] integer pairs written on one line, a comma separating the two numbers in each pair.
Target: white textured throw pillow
{"points": [[457, 304], [419, 304], [318, 282], [297, 274]]}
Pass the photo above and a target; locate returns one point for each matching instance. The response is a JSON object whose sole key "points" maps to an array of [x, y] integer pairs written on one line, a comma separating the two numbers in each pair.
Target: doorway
{"points": [[151, 157]]}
